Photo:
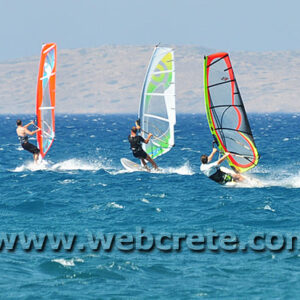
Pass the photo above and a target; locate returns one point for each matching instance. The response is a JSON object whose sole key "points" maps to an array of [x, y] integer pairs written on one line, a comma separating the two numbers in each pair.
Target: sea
{"points": [[82, 190]]}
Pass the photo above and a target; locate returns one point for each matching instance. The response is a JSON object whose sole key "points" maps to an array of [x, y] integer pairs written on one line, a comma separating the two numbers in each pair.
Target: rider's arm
{"points": [[210, 157], [222, 158], [31, 132], [148, 138], [27, 125]]}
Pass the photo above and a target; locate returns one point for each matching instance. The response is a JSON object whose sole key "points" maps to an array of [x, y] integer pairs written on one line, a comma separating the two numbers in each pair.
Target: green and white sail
{"points": [[157, 112]]}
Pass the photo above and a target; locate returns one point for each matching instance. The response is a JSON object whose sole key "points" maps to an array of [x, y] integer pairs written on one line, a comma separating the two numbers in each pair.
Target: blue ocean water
{"points": [[83, 188]]}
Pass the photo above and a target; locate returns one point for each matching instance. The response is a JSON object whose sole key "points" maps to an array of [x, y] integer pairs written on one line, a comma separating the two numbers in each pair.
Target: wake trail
{"points": [[185, 169], [264, 178], [68, 165]]}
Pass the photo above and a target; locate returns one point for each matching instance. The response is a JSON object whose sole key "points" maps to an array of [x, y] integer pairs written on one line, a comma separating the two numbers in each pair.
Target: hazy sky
{"points": [[253, 25]]}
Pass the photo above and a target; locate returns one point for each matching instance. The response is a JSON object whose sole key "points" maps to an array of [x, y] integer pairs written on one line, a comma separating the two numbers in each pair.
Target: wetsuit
{"points": [[214, 172], [221, 177], [28, 146], [136, 146]]}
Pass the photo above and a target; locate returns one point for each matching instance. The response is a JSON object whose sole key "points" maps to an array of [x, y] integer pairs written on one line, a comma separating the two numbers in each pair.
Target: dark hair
{"points": [[19, 122], [134, 129], [204, 159]]}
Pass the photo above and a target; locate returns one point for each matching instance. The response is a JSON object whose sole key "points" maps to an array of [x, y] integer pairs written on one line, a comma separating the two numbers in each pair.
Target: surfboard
{"points": [[132, 166]]}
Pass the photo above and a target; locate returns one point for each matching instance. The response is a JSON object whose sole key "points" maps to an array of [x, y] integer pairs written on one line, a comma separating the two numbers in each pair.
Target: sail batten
{"points": [[45, 100], [157, 106], [163, 72], [50, 107], [159, 94], [156, 117], [47, 76], [226, 113], [48, 48]]}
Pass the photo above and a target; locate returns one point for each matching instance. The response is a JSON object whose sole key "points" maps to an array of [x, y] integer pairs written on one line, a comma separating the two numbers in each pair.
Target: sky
{"points": [[232, 25]]}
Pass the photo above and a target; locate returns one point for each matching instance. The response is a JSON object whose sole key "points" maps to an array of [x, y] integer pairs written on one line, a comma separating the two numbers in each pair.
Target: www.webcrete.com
{"points": [[144, 241]]}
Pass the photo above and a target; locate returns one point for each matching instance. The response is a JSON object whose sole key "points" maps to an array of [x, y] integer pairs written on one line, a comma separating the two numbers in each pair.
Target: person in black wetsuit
{"points": [[136, 146], [23, 133]]}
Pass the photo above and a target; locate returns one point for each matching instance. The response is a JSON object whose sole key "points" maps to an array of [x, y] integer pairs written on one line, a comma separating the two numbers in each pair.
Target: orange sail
{"points": [[45, 99]]}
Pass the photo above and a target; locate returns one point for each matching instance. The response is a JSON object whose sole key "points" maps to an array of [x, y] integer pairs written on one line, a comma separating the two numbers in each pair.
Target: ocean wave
{"points": [[115, 205], [66, 262]]}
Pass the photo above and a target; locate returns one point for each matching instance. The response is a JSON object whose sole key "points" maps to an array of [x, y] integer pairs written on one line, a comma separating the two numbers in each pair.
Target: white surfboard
{"points": [[132, 166]]}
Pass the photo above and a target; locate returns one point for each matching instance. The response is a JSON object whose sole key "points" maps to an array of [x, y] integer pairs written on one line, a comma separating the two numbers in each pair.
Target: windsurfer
{"points": [[213, 171], [23, 133], [135, 144]]}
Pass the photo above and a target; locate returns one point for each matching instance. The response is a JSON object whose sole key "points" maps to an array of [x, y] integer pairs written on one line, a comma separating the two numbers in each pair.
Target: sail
{"points": [[157, 106], [45, 100], [226, 114]]}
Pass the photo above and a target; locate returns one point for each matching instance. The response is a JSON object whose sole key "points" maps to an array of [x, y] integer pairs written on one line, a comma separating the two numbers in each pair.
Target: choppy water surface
{"points": [[82, 187]]}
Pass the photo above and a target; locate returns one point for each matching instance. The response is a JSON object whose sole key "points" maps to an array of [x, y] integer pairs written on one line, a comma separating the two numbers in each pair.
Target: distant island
{"points": [[109, 80]]}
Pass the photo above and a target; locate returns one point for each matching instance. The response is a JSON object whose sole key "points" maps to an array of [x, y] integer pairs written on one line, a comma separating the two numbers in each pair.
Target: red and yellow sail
{"points": [[45, 100], [226, 113]]}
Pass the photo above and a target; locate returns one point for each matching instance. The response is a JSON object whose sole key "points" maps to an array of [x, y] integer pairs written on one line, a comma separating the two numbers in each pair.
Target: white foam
{"points": [[82, 164], [280, 177], [67, 263], [67, 181], [96, 207], [183, 170], [67, 165], [115, 205], [268, 207], [64, 262], [77, 164], [117, 172], [163, 195], [250, 182], [291, 181], [32, 166]]}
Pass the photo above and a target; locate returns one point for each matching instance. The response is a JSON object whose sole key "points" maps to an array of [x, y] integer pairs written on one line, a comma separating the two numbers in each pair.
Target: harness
{"points": [[23, 139], [135, 144]]}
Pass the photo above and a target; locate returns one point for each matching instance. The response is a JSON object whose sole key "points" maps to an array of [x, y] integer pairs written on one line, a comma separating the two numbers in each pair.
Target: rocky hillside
{"points": [[109, 79]]}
